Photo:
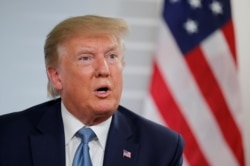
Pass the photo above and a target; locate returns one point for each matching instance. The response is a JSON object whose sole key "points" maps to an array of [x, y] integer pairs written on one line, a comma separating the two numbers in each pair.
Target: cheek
{"points": [[118, 79], [73, 72]]}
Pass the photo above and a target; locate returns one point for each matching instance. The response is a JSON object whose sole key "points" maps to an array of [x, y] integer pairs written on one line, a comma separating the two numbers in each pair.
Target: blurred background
{"points": [[25, 24]]}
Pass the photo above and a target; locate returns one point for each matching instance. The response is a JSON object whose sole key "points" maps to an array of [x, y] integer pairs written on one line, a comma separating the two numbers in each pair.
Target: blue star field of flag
{"points": [[191, 21]]}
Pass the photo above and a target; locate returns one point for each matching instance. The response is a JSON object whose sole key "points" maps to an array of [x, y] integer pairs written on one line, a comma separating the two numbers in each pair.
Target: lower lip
{"points": [[102, 94]]}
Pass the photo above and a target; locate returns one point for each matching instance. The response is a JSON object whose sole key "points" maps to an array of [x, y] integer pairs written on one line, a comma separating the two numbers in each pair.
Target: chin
{"points": [[106, 105], [102, 115], [105, 110]]}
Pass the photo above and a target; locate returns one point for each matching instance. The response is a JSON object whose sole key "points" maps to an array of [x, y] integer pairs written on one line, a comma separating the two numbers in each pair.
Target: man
{"points": [[84, 59]]}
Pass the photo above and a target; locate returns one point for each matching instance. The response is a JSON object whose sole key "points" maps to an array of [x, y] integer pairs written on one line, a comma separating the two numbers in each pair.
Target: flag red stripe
{"points": [[214, 97], [174, 118], [228, 31]]}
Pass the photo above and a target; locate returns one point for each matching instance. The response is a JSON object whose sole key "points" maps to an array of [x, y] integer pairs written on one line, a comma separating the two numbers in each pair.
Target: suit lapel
{"points": [[47, 143], [121, 148]]}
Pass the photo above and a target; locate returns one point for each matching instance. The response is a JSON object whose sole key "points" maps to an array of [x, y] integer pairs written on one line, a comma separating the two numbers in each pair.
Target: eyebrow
{"points": [[88, 50], [111, 48]]}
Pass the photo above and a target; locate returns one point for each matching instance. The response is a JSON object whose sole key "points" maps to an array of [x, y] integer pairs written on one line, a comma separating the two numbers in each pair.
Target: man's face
{"points": [[89, 76]]}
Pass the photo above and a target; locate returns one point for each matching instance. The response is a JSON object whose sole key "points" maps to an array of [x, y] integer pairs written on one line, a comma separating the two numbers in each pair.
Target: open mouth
{"points": [[103, 89]]}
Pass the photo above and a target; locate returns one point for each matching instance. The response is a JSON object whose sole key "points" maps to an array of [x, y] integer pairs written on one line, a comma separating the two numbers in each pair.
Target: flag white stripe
{"points": [[185, 162], [226, 73]]}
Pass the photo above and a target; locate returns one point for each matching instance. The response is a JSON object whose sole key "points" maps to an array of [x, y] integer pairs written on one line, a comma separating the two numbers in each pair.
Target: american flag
{"points": [[126, 154], [194, 87]]}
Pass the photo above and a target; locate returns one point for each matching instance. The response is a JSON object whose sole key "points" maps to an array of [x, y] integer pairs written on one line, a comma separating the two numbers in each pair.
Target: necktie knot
{"points": [[82, 157], [86, 135]]}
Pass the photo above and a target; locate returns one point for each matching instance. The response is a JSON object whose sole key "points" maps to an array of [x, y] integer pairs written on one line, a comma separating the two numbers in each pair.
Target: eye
{"points": [[112, 56], [85, 58]]}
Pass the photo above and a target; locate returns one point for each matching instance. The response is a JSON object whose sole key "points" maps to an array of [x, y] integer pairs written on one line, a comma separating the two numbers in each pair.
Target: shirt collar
{"points": [[72, 125]]}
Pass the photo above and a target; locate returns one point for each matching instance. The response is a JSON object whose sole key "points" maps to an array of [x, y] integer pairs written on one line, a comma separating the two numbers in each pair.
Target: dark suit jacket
{"points": [[35, 137]]}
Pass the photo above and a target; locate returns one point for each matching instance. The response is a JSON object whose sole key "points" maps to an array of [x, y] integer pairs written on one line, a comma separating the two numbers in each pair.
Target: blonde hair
{"points": [[89, 24]]}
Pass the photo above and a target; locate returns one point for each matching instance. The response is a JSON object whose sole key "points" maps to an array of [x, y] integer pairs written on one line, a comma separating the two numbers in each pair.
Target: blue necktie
{"points": [[82, 157]]}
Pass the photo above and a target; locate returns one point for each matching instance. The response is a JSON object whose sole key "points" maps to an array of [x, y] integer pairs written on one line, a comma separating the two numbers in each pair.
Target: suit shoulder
{"points": [[29, 113], [147, 126]]}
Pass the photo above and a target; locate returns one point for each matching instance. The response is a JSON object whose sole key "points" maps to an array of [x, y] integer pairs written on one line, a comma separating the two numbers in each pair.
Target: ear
{"points": [[54, 77]]}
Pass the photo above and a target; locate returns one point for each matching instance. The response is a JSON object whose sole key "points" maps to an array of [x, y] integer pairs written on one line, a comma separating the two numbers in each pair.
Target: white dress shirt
{"points": [[96, 146]]}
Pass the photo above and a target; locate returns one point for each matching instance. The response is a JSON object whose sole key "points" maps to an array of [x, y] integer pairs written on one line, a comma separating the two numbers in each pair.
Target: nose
{"points": [[102, 68]]}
